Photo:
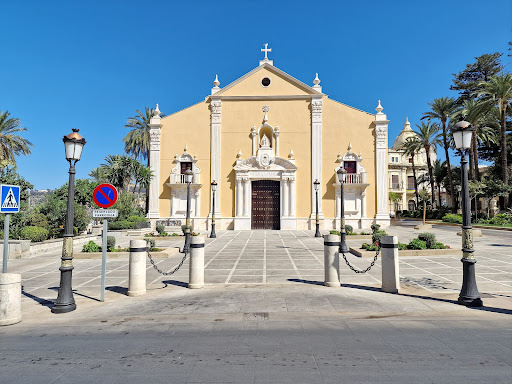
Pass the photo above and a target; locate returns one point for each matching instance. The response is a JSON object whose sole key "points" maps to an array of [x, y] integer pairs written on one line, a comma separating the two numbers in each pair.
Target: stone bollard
{"points": [[331, 260], [137, 268], [390, 271], [196, 269], [10, 298]]}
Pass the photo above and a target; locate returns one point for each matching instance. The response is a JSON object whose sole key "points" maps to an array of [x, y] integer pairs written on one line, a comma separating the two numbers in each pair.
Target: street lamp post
{"points": [[73, 144], [316, 184], [188, 180], [469, 295], [341, 178], [214, 188]]}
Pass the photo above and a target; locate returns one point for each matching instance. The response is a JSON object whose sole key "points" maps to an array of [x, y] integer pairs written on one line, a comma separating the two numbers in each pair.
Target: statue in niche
{"points": [[265, 142]]}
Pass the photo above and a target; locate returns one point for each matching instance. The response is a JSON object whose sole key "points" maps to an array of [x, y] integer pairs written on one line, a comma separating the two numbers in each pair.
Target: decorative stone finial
{"points": [[349, 146], [291, 154], [195, 156], [265, 109], [379, 108], [186, 148], [317, 80], [360, 155], [407, 125], [176, 157], [276, 129], [339, 158], [156, 112], [216, 82], [239, 154]]}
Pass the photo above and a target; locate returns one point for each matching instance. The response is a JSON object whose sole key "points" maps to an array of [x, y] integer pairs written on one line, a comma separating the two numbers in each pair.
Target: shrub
{"points": [[150, 243], [183, 228], [438, 245], [34, 234], [365, 233], [160, 228], [451, 218], [428, 238], [375, 227], [123, 224], [136, 219], [401, 246], [370, 247], [417, 244], [349, 229], [91, 246], [111, 243], [334, 232], [377, 236]]}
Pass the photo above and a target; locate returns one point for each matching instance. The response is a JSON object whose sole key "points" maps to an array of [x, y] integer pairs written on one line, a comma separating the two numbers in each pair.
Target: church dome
{"points": [[406, 133]]}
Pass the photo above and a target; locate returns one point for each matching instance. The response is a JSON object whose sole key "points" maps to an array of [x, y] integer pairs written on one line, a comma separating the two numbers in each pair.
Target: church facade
{"points": [[264, 139]]}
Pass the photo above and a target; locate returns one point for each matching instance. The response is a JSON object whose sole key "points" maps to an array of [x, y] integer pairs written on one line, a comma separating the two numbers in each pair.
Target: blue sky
{"points": [[91, 64]]}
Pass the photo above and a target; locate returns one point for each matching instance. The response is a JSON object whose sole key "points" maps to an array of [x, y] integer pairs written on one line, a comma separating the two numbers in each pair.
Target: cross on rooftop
{"points": [[266, 50]]}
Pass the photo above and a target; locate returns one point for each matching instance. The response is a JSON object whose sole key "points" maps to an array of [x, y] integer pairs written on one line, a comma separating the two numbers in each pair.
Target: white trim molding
{"points": [[215, 148], [381, 151], [154, 163], [316, 154]]}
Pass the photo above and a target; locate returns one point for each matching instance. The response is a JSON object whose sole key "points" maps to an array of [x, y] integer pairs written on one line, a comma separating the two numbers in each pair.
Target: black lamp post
{"points": [[73, 144], [316, 184], [214, 188], [469, 295], [341, 178], [188, 180]]}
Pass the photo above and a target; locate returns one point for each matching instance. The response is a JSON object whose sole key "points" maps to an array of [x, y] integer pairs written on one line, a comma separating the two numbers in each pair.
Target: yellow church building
{"points": [[264, 139]]}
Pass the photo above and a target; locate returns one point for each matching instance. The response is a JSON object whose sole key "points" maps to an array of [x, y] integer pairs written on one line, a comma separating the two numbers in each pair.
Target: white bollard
{"points": [[331, 260], [137, 268], [10, 298], [196, 269], [390, 271]]}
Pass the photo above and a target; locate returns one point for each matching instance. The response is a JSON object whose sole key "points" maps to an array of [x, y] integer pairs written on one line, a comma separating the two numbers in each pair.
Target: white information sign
{"points": [[99, 213]]}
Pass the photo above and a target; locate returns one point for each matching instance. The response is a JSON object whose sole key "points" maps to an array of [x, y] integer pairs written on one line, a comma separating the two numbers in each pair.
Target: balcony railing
{"points": [[180, 178], [395, 186], [410, 186], [355, 178]]}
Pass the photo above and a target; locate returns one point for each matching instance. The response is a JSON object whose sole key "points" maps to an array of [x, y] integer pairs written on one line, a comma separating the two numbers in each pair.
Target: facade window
{"points": [[394, 182], [410, 182], [185, 165], [410, 159], [350, 166]]}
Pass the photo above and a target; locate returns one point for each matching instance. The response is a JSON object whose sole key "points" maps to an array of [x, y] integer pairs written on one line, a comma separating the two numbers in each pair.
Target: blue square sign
{"points": [[10, 199]]}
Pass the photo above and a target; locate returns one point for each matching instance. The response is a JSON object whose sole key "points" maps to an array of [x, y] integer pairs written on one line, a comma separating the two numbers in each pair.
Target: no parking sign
{"points": [[104, 195]]}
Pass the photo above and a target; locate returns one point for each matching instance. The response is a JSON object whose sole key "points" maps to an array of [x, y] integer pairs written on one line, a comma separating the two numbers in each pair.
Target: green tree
{"points": [[98, 175], [11, 144], [424, 197], [118, 170], [411, 148], [441, 109], [395, 197], [499, 91], [495, 188], [136, 142], [476, 189], [428, 137], [55, 208], [440, 171], [83, 192], [468, 81]]}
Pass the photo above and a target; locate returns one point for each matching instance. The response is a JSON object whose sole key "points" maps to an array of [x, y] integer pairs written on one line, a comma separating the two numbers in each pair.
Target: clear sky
{"points": [[91, 64]]}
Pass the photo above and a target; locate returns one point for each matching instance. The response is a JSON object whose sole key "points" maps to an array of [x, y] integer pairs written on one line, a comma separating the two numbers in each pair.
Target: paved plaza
{"points": [[265, 317]]}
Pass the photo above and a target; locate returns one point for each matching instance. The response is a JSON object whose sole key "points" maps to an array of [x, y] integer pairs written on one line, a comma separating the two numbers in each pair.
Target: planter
{"points": [[409, 252], [166, 253], [358, 237]]}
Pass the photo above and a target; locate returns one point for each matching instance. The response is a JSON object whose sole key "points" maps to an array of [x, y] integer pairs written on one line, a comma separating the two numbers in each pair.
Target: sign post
{"points": [[104, 195], [10, 203]]}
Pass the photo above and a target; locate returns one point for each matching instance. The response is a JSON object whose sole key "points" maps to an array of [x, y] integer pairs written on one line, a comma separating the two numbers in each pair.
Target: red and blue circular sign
{"points": [[104, 195]]}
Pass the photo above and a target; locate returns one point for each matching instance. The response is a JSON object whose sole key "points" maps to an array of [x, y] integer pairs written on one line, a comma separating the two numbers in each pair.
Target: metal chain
{"points": [[359, 270], [166, 273]]}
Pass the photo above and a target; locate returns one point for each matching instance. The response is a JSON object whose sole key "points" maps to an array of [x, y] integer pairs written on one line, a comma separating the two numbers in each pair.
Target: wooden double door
{"points": [[265, 205]]}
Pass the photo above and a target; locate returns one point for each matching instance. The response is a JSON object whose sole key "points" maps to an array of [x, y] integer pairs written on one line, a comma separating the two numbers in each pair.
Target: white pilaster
{"points": [[381, 134], [239, 198], [316, 153], [198, 204], [254, 136], [154, 163], [285, 203], [276, 134], [293, 198], [215, 120], [363, 205], [247, 195]]}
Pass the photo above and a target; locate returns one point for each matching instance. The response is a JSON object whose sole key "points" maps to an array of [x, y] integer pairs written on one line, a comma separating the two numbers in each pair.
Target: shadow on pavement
{"points": [[77, 293], [43, 302]]}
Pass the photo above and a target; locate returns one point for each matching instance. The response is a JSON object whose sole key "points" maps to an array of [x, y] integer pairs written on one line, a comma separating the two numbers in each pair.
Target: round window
{"points": [[265, 81]]}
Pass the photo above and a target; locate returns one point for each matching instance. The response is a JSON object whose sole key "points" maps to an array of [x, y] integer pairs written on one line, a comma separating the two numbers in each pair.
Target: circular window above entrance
{"points": [[265, 82]]}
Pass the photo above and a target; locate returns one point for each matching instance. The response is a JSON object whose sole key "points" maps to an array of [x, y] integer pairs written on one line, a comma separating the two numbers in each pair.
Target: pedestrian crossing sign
{"points": [[10, 198]]}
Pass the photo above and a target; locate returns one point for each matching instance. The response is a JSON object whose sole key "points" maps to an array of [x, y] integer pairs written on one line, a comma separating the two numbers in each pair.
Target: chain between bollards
{"points": [[360, 270], [166, 273]]}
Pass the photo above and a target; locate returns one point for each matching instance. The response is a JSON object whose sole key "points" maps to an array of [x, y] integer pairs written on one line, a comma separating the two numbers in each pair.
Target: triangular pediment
{"points": [[282, 84]]}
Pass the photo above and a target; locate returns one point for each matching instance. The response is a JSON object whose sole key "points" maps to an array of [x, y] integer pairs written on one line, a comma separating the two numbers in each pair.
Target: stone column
{"points": [[215, 148], [381, 133], [316, 153], [254, 136], [285, 203], [293, 198], [247, 196], [154, 163], [239, 198], [363, 205]]}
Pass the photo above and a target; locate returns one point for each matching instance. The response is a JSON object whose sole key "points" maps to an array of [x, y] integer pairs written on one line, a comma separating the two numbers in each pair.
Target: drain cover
{"points": [[255, 316]]}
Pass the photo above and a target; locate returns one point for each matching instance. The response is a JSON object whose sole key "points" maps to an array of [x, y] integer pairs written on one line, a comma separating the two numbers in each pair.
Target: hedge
{"points": [[34, 234]]}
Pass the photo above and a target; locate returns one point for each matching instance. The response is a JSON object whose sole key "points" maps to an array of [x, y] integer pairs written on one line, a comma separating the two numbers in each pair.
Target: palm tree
{"points": [[395, 197], [98, 175], [499, 90], [411, 148], [442, 108], [136, 142], [429, 138], [118, 170], [11, 144]]}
